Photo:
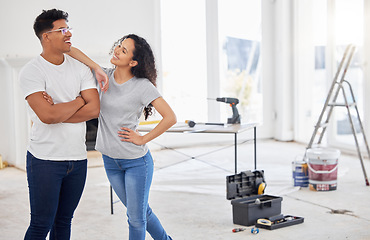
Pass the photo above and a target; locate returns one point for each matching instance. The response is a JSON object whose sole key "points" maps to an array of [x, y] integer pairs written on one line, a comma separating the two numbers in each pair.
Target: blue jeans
{"points": [[131, 180], [55, 188]]}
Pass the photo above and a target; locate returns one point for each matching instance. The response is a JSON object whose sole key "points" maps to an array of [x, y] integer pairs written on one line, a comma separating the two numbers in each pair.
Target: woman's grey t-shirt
{"points": [[122, 106]]}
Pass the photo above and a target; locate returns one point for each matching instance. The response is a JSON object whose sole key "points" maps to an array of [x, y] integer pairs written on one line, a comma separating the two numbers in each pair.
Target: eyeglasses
{"points": [[62, 30]]}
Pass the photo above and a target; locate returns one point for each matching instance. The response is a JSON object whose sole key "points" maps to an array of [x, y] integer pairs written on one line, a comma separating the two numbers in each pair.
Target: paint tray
{"points": [[279, 221]]}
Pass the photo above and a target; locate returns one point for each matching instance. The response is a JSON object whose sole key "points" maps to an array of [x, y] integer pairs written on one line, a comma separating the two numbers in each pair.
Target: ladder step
{"points": [[322, 125], [342, 104]]}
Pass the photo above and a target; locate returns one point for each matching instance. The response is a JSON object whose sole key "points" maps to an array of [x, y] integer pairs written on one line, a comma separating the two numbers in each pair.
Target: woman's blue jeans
{"points": [[55, 188], [131, 180]]}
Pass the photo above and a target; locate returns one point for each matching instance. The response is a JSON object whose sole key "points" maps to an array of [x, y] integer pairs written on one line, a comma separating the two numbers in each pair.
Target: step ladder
{"points": [[331, 102]]}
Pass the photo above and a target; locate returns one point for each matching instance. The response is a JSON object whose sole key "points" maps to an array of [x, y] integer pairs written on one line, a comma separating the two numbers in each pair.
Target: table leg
{"points": [[236, 151], [111, 200], [255, 148]]}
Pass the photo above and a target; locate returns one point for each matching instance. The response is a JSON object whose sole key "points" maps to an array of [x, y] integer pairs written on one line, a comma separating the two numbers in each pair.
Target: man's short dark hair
{"points": [[44, 22]]}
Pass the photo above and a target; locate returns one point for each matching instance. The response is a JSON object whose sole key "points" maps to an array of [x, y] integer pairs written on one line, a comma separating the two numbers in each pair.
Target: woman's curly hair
{"points": [[145, 68]]}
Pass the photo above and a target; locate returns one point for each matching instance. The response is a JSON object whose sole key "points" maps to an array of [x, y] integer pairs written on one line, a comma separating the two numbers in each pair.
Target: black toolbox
{"points": [[248, 205]]}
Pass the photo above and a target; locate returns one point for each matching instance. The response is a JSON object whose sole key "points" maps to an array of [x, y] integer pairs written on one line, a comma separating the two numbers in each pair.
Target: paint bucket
{"points": [[300, 172], [322, 168]]}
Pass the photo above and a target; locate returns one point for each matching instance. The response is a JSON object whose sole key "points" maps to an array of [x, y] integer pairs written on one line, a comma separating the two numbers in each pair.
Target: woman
{"points": [[127, 160]]}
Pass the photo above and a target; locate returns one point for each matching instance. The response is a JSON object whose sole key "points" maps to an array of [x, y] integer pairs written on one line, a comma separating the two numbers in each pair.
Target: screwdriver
{"points": [[238, 230]]}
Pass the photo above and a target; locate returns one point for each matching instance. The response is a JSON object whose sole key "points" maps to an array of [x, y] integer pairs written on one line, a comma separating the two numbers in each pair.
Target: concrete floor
{"points": [[188, 196]]}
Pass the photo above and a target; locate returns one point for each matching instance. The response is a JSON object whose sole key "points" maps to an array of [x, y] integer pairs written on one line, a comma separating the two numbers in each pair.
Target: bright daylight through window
{"points": [[184, 58]]}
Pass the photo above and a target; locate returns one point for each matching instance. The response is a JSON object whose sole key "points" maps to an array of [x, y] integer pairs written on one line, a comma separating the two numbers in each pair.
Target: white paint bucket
{"points": [[322, 168]]}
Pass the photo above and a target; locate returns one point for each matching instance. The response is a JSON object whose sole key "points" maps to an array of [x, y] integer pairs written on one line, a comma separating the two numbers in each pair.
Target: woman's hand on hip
{"points": [[129, 135]]}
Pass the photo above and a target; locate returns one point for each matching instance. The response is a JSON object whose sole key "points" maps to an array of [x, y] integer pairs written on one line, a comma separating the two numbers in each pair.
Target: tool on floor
{"points": [[233, 102], [264, 222], [255, 230], [331, 102], [238, 230], [192, 123]]}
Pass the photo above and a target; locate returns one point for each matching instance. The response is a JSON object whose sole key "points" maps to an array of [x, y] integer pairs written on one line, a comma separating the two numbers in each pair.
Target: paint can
{"points": [[300, 172], [322, 168]]}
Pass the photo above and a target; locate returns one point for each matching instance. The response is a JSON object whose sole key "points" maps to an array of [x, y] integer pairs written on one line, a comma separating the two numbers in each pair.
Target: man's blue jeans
{"points": [[55, 188], [131, 180]]}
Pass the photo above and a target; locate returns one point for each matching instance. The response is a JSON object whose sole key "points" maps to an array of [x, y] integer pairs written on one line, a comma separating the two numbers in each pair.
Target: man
{"points": [[56, 157]]}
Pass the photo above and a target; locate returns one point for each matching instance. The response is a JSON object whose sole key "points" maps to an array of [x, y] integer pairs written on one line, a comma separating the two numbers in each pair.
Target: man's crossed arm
{"points": [[83, 108]]}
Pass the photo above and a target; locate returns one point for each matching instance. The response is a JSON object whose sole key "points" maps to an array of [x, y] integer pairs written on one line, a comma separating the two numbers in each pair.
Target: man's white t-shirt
{"points": [[61, 141]]}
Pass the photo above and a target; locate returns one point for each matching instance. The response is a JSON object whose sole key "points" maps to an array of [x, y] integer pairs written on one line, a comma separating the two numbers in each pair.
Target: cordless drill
{"points": [[233, 102]]}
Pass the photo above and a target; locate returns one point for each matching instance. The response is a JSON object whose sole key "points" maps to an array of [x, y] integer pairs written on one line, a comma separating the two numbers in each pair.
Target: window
{"points": [[184, 58], [335, 25], [349, 22], [240, 68]]}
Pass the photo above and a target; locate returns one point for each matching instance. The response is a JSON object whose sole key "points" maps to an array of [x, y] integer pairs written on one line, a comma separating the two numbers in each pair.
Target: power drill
{"points": [[233, 102]]}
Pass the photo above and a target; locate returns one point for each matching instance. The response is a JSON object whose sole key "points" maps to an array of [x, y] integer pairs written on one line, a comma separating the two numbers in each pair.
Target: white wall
{"points": [[277, 69], [96, 26], [366, 122], [284, 70], [14, 122], [303, 65], [268, 69]]}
